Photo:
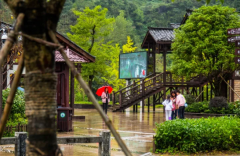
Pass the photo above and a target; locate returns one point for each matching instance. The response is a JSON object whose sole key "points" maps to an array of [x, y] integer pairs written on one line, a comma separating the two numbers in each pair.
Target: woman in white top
{"points": [[168, 107]]}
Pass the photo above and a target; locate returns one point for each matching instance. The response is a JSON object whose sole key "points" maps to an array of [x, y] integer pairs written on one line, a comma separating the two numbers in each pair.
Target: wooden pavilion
{"points": [[157, 85], [75, 54]]}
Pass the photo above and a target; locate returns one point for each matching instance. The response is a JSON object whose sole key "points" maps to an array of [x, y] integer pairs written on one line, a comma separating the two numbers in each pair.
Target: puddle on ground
{"points": [[136, 129]]}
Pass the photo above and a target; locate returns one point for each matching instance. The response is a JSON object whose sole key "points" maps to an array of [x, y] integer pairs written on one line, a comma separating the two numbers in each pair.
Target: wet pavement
{"points": [[136, 129]]}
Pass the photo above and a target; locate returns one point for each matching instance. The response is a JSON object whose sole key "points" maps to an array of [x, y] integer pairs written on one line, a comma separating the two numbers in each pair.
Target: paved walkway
{"points": [[136, 129]]}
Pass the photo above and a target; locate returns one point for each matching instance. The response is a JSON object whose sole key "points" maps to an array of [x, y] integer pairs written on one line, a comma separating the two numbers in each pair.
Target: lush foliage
{"points": [[190, 99], [18, 103], [218, 102], [203, 107], [200, 46], [89, 33], [17, 114], [195, 135]]}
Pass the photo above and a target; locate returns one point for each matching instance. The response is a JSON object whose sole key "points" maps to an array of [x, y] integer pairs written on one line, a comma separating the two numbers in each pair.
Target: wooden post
{"points": [[120, 98], [1, 88], [133, 108], [72, 93], [164, 67], [113, 99], [154, 62], [143, 104], [143, 94], [211, 93], [154, 146], [20, 145], [136, 107], [148, 104], [207, 92], [202, 93], [154, 100], [105, 146]]}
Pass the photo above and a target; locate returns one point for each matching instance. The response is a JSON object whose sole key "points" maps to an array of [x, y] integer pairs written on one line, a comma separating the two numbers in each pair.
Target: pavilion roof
{"points": [[73, 51], [158, 35], [161, 34], [73, 56]]}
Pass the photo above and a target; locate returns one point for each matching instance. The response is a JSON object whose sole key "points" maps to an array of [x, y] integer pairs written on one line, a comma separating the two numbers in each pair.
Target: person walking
{"points": [[180, 101], [168, 107], [105, 99], [175, 108]]}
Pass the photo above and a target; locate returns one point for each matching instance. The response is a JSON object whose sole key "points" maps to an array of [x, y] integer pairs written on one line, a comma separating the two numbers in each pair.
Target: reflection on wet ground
{"points": [[136, 129]]}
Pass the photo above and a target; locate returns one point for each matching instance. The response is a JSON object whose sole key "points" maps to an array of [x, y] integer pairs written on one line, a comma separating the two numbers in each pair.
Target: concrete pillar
{"points": [[105, 146], [20, 145]]}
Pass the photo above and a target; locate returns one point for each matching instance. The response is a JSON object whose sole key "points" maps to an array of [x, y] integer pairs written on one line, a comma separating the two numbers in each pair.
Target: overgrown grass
{"points": [[198, 135]]}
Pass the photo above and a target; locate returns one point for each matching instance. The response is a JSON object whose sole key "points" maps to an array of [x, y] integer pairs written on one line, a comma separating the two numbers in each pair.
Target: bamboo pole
{"points": [[199, 95], [9, 102], [3, 53], [11, 38], [91, 97]]}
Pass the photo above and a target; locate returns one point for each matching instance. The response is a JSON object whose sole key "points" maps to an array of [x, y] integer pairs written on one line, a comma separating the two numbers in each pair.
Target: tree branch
{"points": [[93, 39], [91, 97]]}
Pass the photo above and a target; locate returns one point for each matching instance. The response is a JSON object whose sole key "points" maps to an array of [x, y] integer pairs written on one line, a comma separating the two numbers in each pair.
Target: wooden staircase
{"points": [[151, 85]]}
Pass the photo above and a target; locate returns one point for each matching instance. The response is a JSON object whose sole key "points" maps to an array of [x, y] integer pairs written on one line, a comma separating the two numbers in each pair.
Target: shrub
{"points": [[197, 107], [203, 107], [18, 103], [195, 135], [190, 99], [17, 114], [218, 103]]}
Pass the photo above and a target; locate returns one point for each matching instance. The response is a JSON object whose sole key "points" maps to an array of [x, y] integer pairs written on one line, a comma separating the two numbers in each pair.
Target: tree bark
{"points": [[219, 86], [40, 79]]}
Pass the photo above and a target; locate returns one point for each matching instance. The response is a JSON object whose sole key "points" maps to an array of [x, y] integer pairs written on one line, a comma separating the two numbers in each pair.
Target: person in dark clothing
{"points": [[175, 108], [180, 101]]}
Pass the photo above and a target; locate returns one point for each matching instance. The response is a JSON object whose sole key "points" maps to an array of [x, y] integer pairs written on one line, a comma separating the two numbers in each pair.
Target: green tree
{"points": [[200, 46], [91, 27], [113, 70], [121, 29], [128, 47]]}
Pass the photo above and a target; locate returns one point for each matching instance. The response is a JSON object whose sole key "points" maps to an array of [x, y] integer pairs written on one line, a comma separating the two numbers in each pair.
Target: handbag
{"points": [[173, 107]]}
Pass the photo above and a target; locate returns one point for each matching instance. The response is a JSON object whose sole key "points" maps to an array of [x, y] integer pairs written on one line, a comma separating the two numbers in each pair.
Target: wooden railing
{"points": [[17, 128], [147, 85]]}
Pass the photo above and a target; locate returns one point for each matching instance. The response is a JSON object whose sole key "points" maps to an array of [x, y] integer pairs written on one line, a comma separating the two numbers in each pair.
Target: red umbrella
{"points": [[102, 89]]}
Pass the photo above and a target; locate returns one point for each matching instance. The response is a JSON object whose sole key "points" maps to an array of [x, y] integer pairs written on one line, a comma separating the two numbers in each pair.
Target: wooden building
{"points": [[75, 54]]}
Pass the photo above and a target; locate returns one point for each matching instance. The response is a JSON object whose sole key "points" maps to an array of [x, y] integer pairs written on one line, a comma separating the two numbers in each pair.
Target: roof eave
{"points": [[78, 49]]}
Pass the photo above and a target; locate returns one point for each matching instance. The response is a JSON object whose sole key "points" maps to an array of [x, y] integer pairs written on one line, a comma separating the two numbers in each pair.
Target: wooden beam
{"points": [[72, 140], [72, 92]]}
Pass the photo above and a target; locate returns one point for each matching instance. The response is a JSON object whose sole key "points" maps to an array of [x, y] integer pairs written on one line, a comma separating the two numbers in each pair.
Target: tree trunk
{"points": [[40, 79], [219, 87], [90, 80]]}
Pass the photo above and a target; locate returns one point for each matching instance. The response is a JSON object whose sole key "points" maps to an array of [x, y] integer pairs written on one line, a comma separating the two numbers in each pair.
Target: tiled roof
{"points": [[161, 34], [73, 56], [175, 25]]}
